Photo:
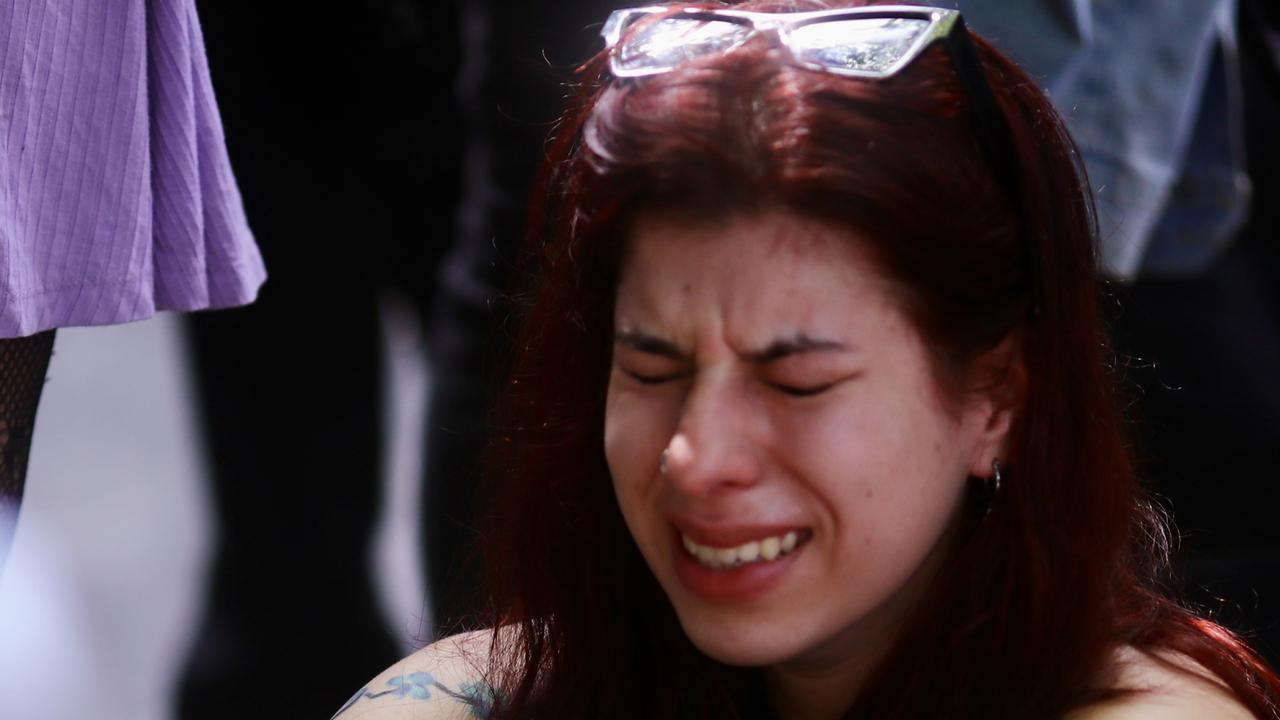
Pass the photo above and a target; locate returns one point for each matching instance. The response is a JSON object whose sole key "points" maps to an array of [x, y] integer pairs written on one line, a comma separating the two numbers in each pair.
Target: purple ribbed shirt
{"points": [[116, 194]]}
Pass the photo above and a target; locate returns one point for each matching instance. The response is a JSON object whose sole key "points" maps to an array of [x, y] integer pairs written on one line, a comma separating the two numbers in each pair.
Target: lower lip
{"points": [[730, 585]]}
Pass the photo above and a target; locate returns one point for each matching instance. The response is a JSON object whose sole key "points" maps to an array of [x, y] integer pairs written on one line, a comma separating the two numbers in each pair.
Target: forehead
{"points": [[750, 260], [751, 278]]}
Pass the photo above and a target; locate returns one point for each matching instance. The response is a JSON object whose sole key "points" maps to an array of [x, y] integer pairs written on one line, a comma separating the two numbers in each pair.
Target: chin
{"points": [[742, 641]]}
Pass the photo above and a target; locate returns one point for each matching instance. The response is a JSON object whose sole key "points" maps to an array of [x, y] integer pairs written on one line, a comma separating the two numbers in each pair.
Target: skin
{"points": [[768, 355], [443, 681]]}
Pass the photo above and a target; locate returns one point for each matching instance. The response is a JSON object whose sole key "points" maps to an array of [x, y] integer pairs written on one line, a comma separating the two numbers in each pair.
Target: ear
{"points": [[998, 392]]}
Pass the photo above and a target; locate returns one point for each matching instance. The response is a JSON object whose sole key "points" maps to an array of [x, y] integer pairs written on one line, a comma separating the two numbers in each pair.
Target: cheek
{"points": [[637, 427], [886, 462]]}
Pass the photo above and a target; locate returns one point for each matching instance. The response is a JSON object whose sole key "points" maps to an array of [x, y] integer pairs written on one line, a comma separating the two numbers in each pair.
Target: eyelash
{"points": [[785, 389], [801, 391], [650, 379]]}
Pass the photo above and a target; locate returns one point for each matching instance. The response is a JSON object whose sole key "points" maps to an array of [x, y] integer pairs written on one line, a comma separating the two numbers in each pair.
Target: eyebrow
{"points": [[776, 350], [797, 345], [646, 343]]}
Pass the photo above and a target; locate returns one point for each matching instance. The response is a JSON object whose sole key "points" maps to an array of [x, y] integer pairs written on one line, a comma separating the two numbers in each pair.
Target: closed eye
{"points": [[796, 391], [651, 379], [803, 390]]}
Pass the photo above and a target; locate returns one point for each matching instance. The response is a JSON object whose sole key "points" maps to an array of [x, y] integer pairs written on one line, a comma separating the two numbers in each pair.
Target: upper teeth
{"points": [[763, 550]]}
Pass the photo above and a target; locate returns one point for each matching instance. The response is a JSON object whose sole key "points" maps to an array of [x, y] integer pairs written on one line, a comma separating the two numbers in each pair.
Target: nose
{"points": [[716, 445]]}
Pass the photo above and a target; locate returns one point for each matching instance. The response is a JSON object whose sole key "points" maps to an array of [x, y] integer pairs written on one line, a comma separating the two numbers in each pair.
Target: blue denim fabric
{"points": [[1151, 92]]}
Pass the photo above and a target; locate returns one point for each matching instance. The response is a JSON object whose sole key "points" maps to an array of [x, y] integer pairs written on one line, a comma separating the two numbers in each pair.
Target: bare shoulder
{"points": [[1171, 687], [443, 681]]}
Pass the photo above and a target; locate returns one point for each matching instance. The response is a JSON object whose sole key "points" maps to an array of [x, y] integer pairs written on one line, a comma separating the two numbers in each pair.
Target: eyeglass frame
{"points": [[940, 22], [946, 25]]}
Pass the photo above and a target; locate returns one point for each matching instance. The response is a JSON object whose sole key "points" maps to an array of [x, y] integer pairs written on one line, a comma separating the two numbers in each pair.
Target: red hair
{"points": [[1033, 603]]}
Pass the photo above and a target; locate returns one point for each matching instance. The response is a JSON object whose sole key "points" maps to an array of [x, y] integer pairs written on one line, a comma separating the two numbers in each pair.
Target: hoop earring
{"points": [[664, 467], [993, 485]]}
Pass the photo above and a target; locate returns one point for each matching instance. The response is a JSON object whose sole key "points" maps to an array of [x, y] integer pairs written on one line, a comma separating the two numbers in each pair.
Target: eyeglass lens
{"points": [[867, 45], [871, 45], [666, 43]]}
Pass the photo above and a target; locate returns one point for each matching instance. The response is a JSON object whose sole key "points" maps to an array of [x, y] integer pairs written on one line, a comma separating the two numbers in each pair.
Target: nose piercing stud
{"points": [[663, 466]]}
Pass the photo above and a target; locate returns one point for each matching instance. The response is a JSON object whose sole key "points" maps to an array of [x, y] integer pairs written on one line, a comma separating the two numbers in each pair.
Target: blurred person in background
{"points": [[346, 132], [116, 196], [1175, 111]]}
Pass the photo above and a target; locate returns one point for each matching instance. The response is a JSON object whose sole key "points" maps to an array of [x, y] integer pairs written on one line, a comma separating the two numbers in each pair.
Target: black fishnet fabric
{"points": [[23, 364]]}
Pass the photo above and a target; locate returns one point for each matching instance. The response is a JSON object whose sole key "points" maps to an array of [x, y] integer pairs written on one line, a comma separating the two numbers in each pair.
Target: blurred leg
{"points": [[23, 365], [338, 120], [462, 350], [290, 395]]}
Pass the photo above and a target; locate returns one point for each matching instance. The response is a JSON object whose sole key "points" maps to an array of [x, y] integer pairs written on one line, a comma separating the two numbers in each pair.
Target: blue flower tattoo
{"points": [[415, 685], [477, 696]]}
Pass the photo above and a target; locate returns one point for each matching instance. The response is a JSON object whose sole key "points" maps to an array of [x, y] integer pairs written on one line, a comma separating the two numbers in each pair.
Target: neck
{"points": [[811, 690]]}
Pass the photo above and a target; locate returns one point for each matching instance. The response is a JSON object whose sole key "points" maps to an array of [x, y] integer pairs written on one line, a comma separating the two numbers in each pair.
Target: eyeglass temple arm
{"points": [[989, 122], [994, 138]]}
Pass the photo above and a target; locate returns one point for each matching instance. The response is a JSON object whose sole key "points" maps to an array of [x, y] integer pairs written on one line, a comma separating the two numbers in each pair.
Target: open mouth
{"points": [[758, 551]]}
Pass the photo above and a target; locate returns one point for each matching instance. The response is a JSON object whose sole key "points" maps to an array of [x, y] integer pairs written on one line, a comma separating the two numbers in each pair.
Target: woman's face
{"points": [[812, 469]]}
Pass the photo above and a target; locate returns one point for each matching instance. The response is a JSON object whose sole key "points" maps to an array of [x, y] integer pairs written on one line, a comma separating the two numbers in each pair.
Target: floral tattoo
{"points": [[479, 697]]}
